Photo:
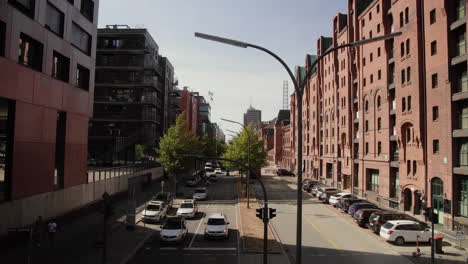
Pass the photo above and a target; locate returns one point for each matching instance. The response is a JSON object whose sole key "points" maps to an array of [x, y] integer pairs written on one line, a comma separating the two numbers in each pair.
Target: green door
{"points": [[437, 198]]}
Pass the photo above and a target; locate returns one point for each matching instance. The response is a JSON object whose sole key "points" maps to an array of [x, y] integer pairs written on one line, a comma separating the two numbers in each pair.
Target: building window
{"points": [[367, 126], [367, 148], [366, 105], [460, 11], [26, 7], [435, 80], [379, 124], [379, 74], [81, 39], [435, 113], [371, 57], [370, 16], [371, 78], [403, 76], [464, 197], [87, 9], [82, 77], [370, 34], [379, 148], [406, 15], [30, 52], [7, 124], [55, 20], [363, 22], [60, 136], [408, 74], [415, 167], [462, 82], [378, 8], [407, 46], [401, 19], [435, 146], [364, 82], [2, 38], [379, 101], [60, 67], [463, 117], [433, 48], [402, 49], [432, 16], [409, 103], [373, 185], [460, 44], [378, 28], [408, 167], [403, 104], [363, 61], [378, 52], [329, 171]]}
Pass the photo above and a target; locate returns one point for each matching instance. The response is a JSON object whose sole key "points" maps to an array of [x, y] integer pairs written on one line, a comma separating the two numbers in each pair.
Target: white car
{"points": [[209, 167], [200, 194], [334, 199], [154, 212], [218, 171], [217, 226], [173, 230], [401, 231], [187, 209], [323, 189]]}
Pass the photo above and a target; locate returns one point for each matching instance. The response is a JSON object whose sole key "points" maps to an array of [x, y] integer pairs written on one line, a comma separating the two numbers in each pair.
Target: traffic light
{"points": [[259, 213], [272, 213]]}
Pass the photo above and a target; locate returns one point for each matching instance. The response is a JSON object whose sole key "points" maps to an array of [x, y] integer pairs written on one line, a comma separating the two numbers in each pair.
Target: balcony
{"points": [[460, 133], [460, 22], [460, 170]]}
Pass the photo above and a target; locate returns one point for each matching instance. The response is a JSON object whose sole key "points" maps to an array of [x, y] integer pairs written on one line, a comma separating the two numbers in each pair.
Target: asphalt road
{"points": [[195, 248], [328, 235]]}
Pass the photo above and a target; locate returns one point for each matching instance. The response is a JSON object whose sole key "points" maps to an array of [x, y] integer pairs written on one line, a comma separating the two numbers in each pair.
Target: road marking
{"points": [[323, 234], [238, 223], [198, 227], [201, 248]]}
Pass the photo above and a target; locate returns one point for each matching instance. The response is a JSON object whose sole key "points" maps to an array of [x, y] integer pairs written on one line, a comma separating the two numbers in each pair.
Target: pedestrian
{"points": [[52, 230], [38, 230]]}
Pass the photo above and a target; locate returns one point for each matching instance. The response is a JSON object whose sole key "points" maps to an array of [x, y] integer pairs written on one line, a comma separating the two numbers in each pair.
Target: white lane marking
{"points": [[198, 227], [201, 249], [238, 223]]}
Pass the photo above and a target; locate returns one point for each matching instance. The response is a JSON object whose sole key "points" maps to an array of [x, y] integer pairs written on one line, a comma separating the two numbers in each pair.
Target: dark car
{"points": [[346, 203], [325, 196], [309, 185], [377, 219], [284, 172], [361, 217], [191, 181], [356, 206]]}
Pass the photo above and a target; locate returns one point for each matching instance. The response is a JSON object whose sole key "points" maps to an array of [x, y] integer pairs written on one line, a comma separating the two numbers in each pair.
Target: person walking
{"points": [[52, 230]]}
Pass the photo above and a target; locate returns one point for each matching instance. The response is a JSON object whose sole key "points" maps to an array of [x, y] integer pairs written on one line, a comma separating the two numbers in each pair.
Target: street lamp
{"points": [[247, 188], [299, 89]]}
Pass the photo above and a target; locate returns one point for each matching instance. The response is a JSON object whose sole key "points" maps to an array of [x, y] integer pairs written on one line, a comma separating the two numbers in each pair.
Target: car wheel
{"points": [[400, 241]]}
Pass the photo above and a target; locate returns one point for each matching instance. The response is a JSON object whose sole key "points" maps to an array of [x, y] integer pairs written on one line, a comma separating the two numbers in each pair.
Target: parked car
{"points": [[325, 188], [401, 231], [284, 172], [166, 197], [378, 219], [174, 230], [187, 209], [209, 167], [200, 194], [217, 226], [361, 217], [334, 199], [307, 186], [315, 189], [356, 206], [154, 212], [325, 196], [218, 171], [192, 181], [346, 203]]}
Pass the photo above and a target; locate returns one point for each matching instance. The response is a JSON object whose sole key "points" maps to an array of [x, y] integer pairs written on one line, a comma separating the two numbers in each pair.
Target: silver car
{"points": [[154, 212], [187, 209], [174, 230], [217, 226], [200, 194]]}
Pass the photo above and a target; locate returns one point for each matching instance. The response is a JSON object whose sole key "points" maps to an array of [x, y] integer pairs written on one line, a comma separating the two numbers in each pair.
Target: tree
{"points": [[238, 150], [212, 147], [175, 145]]}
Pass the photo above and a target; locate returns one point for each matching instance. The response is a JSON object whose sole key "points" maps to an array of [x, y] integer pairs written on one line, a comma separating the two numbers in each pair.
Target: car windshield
{"points": [[200, 191], [186, 205], [152, 207], [216, 221], [172, 225], [388, 225]]}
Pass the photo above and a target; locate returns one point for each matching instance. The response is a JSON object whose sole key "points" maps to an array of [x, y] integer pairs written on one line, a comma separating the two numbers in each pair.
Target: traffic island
{"points": [[252, 227]]}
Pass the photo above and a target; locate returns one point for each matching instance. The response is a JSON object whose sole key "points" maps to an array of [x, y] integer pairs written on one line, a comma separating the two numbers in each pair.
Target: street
{"points": [[195, 248]]}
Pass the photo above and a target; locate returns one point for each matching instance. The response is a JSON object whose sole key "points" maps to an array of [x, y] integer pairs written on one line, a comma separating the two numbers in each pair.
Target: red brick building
{"points": [[386, 120], [189, 106]]}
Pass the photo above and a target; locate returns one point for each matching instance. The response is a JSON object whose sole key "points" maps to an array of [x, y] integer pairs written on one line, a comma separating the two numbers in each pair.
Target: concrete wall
{"points": [[23, 212]]}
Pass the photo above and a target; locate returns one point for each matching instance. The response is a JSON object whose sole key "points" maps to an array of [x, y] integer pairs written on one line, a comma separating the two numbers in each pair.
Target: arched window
{"points": [[367, 126], [379, 148], [408, 135], [366, 106], [379, 124], [379, 101], [415, 167]]}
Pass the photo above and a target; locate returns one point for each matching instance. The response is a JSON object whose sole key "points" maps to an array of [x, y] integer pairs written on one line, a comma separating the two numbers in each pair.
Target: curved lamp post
{"points": [[248, 158], [299, 89]]}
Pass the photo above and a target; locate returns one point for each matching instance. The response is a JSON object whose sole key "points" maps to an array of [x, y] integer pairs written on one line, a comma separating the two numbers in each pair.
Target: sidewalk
{"points": [[77, 240]]}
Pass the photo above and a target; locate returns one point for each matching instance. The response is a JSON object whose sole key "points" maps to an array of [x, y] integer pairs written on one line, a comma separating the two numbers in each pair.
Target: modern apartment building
{"points": [[47, 67], [252, 116], [386, 120], [131, 94]]}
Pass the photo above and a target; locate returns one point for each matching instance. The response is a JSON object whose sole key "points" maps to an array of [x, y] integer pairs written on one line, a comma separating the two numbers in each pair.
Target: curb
{"points": [[135, 249]]}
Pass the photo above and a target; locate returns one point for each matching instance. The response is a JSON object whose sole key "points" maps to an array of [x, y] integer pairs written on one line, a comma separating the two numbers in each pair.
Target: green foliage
{"points": [[238, 150], [178, 142], [139, 152], [212, 147]]}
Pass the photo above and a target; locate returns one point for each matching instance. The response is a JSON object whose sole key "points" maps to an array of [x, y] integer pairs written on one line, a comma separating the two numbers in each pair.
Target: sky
{"points": [[237, 77]]}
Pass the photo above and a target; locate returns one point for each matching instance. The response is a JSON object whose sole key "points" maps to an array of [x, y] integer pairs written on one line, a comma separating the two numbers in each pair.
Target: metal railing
{"points": [[98, 173]]}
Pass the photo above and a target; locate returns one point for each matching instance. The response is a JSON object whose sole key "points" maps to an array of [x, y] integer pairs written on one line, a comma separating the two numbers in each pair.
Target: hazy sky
{"points": [[237, 77]]}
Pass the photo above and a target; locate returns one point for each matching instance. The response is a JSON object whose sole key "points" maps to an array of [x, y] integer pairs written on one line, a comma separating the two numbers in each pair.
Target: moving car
{"points": [[166, 197], [284, 172], [356, 206], [191, 181], [346, 203], [187, 209], [218, 171], [200, 194], [154, 212], [174, 230], [361, 217], [209, 167], [401, 231], [217, 226], [334, 199], [322, 189], [325, 196]]}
